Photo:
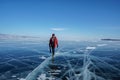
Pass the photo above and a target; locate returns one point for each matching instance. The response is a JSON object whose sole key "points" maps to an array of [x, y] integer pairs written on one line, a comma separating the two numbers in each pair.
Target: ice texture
{"points": [[79, 65]]}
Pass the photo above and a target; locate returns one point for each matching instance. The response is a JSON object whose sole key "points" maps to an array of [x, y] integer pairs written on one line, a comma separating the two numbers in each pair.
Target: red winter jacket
{"points": [[53, 42]]}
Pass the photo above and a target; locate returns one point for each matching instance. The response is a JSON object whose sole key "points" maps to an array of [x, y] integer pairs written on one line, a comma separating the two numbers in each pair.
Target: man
{"points": [[53, 43]]}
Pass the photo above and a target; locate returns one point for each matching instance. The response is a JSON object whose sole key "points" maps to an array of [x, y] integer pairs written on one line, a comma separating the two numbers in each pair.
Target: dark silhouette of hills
{"points": [[110, 39]]}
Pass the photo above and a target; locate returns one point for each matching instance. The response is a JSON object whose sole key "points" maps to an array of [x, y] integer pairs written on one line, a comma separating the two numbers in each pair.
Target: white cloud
{"points": [[57, 29]]}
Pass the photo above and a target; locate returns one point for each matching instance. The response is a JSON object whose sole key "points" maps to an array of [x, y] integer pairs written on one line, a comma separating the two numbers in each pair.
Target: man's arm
{"points": [[50, 42], [57, 42], [50, 45]]}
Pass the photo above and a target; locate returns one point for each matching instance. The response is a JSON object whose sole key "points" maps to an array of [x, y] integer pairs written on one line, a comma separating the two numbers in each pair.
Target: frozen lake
{"points": [[30, 60]]}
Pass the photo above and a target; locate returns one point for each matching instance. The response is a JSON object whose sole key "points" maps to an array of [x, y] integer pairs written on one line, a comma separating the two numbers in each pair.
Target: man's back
{"points": [[53, 42]]}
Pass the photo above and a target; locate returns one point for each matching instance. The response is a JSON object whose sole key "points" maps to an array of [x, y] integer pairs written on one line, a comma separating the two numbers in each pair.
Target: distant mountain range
{"points": [[16, 37], [110, 39]]}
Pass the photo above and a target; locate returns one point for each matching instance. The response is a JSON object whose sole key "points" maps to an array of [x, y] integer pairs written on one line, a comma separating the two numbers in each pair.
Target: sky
{"points": [[68, 19]]}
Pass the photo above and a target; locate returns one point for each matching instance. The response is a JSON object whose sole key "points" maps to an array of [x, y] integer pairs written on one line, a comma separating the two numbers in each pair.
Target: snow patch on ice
{"points": [[101, 44], [42, 77], [43, 57], [74, 51], [22, 79], [90, 48], [13, 76]]}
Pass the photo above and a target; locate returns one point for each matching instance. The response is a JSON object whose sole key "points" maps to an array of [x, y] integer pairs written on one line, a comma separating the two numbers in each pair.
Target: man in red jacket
{"points": [[53, 43]]}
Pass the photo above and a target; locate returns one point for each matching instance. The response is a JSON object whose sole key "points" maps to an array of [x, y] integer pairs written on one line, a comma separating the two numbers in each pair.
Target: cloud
{"points": [[57, 29]]}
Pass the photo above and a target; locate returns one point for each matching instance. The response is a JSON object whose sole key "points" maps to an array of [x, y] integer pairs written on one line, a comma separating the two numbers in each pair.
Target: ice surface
{"points": [[92, 68], [73, 61]]}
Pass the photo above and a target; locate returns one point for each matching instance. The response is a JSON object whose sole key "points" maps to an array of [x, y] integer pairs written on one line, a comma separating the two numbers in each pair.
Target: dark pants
{"points": [[53, 51]]}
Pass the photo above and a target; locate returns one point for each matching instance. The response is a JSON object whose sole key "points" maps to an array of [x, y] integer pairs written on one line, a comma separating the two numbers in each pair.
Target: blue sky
{"points": [[68, 19]]}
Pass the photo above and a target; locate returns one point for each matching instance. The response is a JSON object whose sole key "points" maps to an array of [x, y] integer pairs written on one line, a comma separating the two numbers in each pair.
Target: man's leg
{"points": [[53, 51], [50, 49]]}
